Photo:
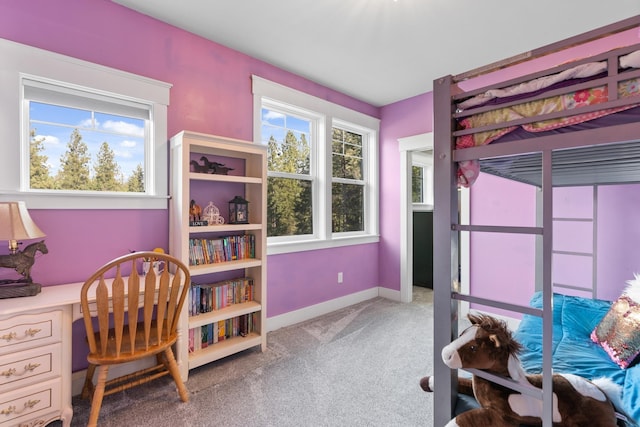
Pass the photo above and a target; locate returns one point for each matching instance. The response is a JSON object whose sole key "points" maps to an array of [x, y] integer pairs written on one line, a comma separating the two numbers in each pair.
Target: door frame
{"points": [[406, 146]]}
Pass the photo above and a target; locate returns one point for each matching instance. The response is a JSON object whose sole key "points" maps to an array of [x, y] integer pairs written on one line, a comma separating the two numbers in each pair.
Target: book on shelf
{"points": [[222, 249], [204, 298], [208, 335]]}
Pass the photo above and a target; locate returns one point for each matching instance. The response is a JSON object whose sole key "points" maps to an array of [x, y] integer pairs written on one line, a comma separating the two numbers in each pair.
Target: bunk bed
{"points": [[575, 124]]}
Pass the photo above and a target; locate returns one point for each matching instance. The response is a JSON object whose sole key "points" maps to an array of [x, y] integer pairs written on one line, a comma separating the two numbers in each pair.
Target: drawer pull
{"points": [[31, 332], [9, 336], [27, 368], [12, 409]]}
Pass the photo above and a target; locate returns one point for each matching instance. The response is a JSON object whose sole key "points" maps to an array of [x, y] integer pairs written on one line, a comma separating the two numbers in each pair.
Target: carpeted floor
{"points": [[358, 366]]}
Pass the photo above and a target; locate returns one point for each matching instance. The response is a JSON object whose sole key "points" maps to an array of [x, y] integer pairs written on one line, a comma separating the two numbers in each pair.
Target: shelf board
{"points": [[218, 267], [229, 312], [224, 228], [223, 349], [224, 178]]}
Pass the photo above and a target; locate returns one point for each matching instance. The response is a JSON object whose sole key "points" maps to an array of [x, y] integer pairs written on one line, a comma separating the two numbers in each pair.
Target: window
{"points": [[417, 184], [348, 180], [86, 137], [322, 170], [422, 180], [82, 142], [288, 137]]}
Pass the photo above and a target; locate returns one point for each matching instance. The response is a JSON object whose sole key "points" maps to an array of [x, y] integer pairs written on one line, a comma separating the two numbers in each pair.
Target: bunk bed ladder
{"points": [[591, 253]]}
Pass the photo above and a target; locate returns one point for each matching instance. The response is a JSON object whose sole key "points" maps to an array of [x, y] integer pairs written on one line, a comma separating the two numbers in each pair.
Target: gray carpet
{"points": [[358, 366]]}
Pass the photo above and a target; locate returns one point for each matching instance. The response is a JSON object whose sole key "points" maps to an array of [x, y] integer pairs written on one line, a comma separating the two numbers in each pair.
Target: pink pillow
{"points": [[619, 330]]}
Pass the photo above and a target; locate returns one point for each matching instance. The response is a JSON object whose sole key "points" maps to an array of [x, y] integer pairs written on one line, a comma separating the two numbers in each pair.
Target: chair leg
{"points": [[175, 373], [87, 389], [96, 400]]}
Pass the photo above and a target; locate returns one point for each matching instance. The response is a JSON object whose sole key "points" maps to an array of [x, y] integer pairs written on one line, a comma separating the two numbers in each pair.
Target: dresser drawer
{"points": [[29, 330], [30, 366], [30, 402]]}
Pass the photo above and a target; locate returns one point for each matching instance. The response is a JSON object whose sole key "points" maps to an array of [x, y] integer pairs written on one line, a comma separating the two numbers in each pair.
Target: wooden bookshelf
{"points": [[248, 179]]}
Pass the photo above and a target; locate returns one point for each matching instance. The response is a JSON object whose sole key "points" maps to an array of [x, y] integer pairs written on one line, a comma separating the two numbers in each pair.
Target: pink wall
{"points": [[618, 237], [211, 93], [409, 117], [502, 265]]}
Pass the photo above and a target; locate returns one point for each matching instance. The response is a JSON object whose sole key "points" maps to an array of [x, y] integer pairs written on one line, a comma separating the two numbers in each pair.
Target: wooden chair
{"points": [[137, 316]]}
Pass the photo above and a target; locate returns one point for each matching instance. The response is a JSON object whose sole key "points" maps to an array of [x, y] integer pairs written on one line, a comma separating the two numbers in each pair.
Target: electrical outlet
{"points": [[340, 277]]}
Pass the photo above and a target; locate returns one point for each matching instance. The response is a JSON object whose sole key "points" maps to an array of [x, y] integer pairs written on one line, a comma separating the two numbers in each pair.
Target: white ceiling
{"points": [[383, 51]]}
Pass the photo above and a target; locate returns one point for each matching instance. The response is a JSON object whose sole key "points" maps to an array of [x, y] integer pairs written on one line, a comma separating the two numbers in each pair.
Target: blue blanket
{"points": [[573, 351]]}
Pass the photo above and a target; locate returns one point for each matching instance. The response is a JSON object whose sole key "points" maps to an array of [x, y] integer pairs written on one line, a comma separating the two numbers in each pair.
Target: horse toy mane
{"points": [[489, 345]]}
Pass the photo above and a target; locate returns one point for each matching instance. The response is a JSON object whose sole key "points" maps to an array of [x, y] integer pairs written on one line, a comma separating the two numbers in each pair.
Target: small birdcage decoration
{"points": [[211, 213], [238, 211]]}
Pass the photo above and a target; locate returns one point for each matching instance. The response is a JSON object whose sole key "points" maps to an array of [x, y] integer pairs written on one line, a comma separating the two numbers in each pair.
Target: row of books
{"points": [[229, 248], [204, 298], [206, 335]]}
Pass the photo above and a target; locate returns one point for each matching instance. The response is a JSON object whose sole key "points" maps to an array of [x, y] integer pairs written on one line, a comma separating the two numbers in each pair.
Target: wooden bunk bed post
{"points": [[445, 257]]}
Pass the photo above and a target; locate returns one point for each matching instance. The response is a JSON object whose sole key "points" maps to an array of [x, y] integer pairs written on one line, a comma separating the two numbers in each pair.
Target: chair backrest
{"points": [[117, 288]]}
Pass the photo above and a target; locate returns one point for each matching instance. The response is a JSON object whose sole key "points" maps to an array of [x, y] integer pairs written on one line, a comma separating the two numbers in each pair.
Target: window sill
{"points": [[85, 201], [315, 244], [422, 207]]}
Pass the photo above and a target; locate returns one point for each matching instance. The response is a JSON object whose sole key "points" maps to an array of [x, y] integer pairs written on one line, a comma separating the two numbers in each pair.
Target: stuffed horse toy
{"points": [[488, 345]]}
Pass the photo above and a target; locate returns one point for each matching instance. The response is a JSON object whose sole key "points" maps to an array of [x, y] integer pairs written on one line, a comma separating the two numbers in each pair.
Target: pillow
{"points": [[619, 330]]}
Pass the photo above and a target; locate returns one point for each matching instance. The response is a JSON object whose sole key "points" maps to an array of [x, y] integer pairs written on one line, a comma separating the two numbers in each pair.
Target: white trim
{"points": [[315, 244], [278, 92], [19, 60], [265, 91], [307, 313], [407, 146]]}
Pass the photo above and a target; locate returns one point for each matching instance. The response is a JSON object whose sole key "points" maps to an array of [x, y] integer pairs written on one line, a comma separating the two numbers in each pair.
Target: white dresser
{"points": [[35, 358]]}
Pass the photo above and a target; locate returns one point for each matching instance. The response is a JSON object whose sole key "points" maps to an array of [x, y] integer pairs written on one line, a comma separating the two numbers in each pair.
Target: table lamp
{"points": [[16, 224]]}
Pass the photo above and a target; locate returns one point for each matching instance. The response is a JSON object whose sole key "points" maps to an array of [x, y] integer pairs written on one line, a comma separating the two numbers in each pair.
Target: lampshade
{"points": [[16, 223]]}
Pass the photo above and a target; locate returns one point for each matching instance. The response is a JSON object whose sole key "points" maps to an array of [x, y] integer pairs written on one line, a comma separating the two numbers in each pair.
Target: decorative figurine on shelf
{"points": [[195, 215], [215, 167], [211, 214], [238, 211], [197, 167]]}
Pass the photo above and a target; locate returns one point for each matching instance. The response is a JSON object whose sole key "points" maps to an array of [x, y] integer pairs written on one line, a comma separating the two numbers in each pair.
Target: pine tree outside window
{"points": [[422, 181], [348, 180], [290, 180], [322, 170], [80, 135], [417, 184], [75, 149]]}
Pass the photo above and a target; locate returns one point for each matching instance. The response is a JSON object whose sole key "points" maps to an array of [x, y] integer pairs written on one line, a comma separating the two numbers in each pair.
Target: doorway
{"points": [[417, 149], [423, 248]]}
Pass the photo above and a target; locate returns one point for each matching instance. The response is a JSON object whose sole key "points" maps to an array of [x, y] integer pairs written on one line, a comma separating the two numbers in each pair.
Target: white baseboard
{"points": [[391, 294], [273, 323], [297, 316]]}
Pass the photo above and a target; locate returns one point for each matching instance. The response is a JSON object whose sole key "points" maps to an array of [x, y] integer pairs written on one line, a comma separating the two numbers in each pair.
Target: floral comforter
{"points": [[468, 170]]}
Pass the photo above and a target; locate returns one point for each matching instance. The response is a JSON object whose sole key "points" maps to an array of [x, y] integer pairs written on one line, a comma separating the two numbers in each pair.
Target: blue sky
{"points": [[55, 124], [277, 124]]}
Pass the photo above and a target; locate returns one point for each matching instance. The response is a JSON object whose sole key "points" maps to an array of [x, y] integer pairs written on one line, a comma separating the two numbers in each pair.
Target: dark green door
{"points": [[423, 249]]}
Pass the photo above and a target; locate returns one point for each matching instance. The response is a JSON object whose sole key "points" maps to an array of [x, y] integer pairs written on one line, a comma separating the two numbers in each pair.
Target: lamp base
{"points": [[18, 288]]}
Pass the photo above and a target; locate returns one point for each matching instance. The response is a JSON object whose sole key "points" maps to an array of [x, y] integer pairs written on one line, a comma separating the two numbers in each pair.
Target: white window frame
{"points": [[366, 174], [316, 174], [333, 115], [26, 62], [424, 160]]}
